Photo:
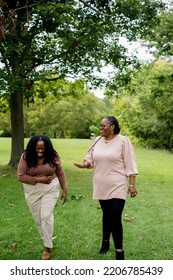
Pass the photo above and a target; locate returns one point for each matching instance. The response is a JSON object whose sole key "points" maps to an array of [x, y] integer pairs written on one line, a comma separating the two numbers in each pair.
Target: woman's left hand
{"points": [[64, 196], [132, 191]]}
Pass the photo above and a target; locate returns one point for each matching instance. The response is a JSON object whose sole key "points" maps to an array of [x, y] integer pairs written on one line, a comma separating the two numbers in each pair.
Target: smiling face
{"points": [[40, 148], [106, 128]]}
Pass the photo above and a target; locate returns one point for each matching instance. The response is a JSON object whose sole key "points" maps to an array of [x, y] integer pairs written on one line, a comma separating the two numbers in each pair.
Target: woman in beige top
{"points": [[41, 173], [113, 161]]}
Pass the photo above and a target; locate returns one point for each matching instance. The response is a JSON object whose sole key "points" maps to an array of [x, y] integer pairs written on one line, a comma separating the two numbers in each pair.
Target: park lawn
{"points": [[147, 219]]}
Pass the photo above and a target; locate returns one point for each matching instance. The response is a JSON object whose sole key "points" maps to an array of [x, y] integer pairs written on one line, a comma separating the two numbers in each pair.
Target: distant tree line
{"points": [[144, 108]]}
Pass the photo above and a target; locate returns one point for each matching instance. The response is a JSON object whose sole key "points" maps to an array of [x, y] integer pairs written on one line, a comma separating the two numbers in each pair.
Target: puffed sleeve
{"points": [[88, 156], [129, 157]]}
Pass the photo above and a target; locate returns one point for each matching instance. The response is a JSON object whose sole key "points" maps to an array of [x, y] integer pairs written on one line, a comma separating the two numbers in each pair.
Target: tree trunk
{"points": [[62, 134], [17, 128]]}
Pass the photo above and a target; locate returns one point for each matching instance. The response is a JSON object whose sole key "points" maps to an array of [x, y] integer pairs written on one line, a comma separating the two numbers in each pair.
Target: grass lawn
{"points": [[147, 219]]}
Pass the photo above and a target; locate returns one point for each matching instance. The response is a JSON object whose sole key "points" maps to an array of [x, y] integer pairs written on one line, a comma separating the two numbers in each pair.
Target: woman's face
{"points": [[40, 148], [106, 128]]}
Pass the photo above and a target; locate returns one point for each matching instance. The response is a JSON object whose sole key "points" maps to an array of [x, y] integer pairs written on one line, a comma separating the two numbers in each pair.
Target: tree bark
{"points": [[17, 128]]}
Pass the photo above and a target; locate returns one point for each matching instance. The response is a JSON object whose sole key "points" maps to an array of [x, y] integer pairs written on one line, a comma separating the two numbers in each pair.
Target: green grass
{"points": [[147, 219]]}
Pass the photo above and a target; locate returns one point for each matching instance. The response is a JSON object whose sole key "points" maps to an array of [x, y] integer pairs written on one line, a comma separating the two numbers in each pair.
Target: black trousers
{"points": [[112, 220]]}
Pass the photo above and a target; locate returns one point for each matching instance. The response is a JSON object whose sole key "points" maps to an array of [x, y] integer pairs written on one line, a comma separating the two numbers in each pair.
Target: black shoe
{"points": [[105, 247], [119, 255]]}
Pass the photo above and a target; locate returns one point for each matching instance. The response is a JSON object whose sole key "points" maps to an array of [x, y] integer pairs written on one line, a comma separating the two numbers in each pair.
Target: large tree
{"points": [[70, 37]]}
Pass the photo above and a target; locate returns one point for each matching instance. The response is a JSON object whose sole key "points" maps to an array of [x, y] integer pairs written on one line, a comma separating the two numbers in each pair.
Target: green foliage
{"points": [[145, 107], [94, 130], [5, 129], [77, 236], [53, 85], [59, 114], [69, 117], [70, 38], [161, 37]]}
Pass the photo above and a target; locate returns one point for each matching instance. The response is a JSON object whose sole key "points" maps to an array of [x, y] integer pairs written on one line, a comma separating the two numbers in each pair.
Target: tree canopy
{"points": [[161, 37], [70, 38]]}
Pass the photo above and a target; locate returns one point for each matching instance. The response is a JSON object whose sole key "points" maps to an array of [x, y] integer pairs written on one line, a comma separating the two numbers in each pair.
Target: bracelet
{"points": [[131, 185]]}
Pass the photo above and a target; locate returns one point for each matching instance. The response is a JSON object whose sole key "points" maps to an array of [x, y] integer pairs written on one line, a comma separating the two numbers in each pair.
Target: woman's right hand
{"points": [[85, 164], [44, 179], [79, 165]]}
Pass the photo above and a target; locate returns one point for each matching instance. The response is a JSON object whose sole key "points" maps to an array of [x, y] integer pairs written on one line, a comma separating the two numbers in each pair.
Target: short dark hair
{"points": [[114, 121], [30, 152]]}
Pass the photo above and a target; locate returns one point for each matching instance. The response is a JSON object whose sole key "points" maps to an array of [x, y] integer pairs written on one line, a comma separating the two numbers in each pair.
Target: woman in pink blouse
{"points": [[41, 173], [113, 161]]}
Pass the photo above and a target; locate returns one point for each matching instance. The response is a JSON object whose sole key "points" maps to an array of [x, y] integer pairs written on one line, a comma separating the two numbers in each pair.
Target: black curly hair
{"points": [[30, 155]]}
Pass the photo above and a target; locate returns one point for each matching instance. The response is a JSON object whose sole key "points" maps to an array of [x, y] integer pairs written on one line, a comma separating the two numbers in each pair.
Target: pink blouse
{"points": [[113, 162]]}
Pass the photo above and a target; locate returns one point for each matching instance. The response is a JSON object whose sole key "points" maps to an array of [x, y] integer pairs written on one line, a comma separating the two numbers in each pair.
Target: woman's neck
{"points": [[110, 137], [40, 161]]}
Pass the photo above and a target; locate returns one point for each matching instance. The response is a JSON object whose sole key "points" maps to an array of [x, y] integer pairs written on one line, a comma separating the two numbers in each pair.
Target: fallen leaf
{"points": [[11, 204], [127, 218], [14, 245], [141, 238]]}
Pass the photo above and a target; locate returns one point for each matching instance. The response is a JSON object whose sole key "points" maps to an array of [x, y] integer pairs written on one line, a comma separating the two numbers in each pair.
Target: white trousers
{"points": [[41, 200]]}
